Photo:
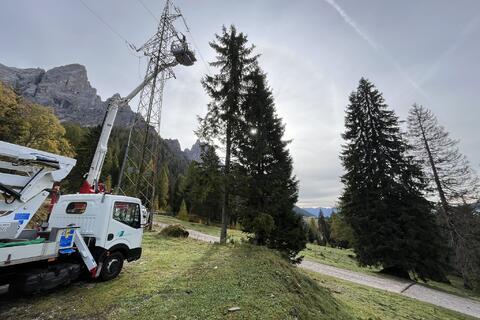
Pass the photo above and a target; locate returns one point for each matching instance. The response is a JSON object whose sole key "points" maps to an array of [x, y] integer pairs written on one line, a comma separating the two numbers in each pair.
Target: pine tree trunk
{"points": [[223, 233]]}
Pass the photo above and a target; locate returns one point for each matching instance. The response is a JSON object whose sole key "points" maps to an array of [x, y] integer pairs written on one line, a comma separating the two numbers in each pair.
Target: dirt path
{"points": [[401, 286], [396, 285]]}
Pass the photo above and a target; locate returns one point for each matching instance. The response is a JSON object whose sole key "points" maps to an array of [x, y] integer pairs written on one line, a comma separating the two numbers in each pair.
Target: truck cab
{"points": [[111, 226]]}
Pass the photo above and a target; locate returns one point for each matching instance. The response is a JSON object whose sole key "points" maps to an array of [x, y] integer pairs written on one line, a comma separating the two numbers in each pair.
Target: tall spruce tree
{"points": [[226, 88], [270, 189], [383, 200]]}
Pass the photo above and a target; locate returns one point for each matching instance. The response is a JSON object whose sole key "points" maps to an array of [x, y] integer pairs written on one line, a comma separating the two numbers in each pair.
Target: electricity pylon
{"points": [[138, 174]]}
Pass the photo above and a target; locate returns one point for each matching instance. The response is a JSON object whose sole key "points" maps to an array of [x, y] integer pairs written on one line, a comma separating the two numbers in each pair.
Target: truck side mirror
{"points": [[144, 217]]}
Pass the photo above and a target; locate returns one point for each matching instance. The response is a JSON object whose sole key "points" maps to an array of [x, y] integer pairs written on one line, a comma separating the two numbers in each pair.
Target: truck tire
{"points": [[111, 267]]}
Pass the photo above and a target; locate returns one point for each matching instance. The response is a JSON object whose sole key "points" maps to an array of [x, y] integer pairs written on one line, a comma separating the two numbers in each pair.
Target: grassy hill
{"points": [[187, 279]]}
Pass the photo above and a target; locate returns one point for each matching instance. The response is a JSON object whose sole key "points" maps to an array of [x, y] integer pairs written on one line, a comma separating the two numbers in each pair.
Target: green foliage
{"points": [[31, 125], [263, 171], [202, 186], [323, 229], [74, 133], [234, 60], [263, 225], [183, 212], [312, 231], [382, 198], [174, 230], [341, 234], [163, 190], [241, 116]]}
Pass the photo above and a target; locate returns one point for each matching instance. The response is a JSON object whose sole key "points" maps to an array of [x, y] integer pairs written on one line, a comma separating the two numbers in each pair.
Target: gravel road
{"points": [[401, 286]]}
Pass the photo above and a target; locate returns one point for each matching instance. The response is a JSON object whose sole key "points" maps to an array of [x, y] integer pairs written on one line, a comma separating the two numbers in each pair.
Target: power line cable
{"points": [[128, 43], [148, 10], [205, 64]]}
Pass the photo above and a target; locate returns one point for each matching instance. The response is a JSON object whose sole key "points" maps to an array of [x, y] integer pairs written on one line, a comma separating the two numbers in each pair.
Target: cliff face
{"points": [[193, 154], [66, 89]]}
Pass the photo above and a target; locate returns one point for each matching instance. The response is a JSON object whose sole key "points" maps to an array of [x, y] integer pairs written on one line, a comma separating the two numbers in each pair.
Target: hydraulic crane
{"points": [[90, 231], [182, 56]]}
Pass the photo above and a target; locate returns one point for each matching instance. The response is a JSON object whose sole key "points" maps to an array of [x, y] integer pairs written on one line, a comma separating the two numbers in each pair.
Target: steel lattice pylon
{"points": [[138, 175]]}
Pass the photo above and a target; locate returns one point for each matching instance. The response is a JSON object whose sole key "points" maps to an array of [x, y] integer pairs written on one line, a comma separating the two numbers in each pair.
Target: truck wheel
{"points": [[112, 265]]}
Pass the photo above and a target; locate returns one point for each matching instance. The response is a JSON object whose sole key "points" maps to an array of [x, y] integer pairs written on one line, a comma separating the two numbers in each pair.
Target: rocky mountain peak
{"points": [[193, 154], [66, 89]]}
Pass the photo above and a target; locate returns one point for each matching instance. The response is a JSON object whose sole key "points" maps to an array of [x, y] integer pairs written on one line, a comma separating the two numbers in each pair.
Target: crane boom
{"points": [[90, 184], [182, 55]]}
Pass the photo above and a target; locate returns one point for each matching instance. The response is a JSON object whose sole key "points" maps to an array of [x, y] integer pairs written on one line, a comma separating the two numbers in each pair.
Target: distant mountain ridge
{"points": [[327, 211], [302, 212], [66, 89]]}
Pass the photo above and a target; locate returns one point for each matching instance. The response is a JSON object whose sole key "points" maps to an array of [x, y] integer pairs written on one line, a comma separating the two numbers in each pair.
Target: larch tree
{"points": [[226, 89], [183, 212], [383, 197], [448, 171], [456, 186]]}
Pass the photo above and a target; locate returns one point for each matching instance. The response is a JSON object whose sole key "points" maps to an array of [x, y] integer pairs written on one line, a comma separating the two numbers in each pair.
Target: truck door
{"points": [[125, 225]]}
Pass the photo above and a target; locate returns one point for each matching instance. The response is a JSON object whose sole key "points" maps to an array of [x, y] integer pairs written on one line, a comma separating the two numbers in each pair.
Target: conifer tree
{"points": [[323, 228], [270, 189], [448, 171], [183, 212], [202, 189], [164, 189], [234, 59], [455, 183], [383, 199]]}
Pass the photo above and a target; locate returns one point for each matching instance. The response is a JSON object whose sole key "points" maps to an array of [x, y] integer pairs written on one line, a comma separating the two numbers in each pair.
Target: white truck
{"points": [[88, 232], [96, 232]]}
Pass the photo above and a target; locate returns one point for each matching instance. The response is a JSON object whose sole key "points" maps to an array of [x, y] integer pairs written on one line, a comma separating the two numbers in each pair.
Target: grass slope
{"points": [[341, 258], [186, 279]]}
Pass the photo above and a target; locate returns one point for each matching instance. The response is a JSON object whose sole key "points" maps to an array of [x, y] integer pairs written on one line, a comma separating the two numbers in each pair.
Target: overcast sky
{"points": [[313, 51]]}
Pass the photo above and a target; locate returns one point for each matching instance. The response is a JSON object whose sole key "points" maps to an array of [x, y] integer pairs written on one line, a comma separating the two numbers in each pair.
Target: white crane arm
{"points": [[107, 126]]}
